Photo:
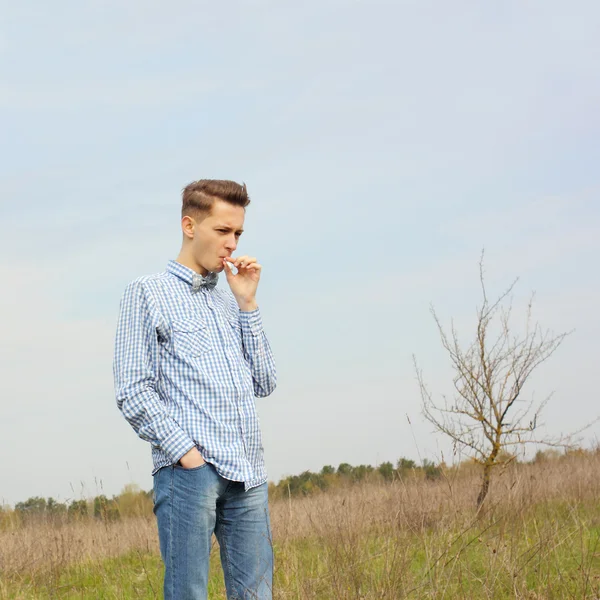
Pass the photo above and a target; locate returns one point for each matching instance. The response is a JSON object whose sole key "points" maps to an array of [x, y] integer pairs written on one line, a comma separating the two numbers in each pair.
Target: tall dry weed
{"points": [[410, 538]]}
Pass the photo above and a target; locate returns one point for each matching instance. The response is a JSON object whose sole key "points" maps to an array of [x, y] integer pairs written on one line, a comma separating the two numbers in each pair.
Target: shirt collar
{"points": [[191, 277]]}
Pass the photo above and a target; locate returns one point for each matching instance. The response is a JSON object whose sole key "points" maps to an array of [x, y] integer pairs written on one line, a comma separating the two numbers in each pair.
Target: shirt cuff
{"points": [[251, 322], [177, 445]]}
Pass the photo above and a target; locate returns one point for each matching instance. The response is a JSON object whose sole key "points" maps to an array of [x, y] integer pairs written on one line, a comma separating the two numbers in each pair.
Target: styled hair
{"points": [[199, 196]]}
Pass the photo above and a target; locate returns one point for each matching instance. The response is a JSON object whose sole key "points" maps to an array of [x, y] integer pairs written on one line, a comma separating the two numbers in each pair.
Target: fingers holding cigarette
{"points": [[245, 263]]}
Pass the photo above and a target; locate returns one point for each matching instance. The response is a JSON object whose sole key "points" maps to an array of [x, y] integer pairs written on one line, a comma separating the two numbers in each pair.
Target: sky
{"points": [[384, 145]]}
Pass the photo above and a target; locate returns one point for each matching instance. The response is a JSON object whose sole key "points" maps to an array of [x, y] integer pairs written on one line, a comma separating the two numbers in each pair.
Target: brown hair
{"points": [[199, 196]]}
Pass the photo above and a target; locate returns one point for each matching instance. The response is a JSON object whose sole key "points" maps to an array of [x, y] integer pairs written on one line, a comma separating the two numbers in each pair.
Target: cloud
{"points": [[384, 145], [60, 422], [132, 93]]}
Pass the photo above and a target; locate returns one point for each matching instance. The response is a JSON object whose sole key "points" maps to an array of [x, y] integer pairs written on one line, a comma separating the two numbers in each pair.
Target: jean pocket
{"points": [[198, 468], [190, 337]]}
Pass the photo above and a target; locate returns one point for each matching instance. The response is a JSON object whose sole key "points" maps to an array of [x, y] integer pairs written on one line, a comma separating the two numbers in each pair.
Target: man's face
{"points": [[217, 235]]}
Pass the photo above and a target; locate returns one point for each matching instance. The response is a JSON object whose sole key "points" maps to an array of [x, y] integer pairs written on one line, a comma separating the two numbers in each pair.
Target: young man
{"points": [[189, 360]]}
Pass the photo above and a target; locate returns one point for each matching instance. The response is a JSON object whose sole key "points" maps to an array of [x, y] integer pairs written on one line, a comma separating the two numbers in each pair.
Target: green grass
{"points": [[551, 551], [133, 575]]}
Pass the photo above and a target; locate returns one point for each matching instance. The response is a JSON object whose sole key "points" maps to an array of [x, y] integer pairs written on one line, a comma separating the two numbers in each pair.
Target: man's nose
{"points": [[231, 244]]}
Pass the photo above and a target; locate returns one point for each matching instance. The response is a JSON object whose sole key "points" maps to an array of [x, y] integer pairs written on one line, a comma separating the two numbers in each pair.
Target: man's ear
{"points": [[188, 226]]}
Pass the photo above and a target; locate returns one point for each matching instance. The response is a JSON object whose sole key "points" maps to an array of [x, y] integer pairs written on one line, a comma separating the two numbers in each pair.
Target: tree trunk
{"points": [[485, 484]]}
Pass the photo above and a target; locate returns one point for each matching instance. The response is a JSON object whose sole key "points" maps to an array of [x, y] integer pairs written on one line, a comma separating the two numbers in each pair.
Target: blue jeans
{"points": [[191, 504]]}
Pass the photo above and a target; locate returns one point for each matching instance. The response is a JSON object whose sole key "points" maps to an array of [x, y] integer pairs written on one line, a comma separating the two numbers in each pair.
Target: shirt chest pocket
{"points": [[190, 337]]}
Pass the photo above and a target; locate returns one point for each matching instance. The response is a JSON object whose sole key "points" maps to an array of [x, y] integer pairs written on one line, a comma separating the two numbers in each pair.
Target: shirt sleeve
{"points": [[257, 352], [135, 374]]}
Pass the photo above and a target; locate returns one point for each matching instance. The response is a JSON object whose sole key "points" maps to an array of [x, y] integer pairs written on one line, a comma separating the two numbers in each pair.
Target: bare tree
{"points": [[488, 413]]}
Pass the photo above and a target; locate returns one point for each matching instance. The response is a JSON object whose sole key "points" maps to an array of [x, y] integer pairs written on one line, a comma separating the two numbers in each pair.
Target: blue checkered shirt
{"points": [[187, 367]]}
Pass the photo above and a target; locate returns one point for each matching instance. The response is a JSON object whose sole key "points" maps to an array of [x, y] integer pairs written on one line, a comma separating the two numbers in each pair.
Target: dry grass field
{"points": [[539, 538]]}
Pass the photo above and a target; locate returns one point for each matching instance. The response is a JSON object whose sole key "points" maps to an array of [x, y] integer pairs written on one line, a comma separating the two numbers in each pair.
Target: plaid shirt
{"points": [[187, 366]]}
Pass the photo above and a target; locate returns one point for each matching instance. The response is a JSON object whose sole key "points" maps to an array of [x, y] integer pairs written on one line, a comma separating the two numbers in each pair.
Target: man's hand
{"points": [[244, 284], [192, 459]]}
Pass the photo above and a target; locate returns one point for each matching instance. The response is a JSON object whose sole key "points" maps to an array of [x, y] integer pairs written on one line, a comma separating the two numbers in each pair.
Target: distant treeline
{"points": [[131, 502], [329, 477], [135, 502]]}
